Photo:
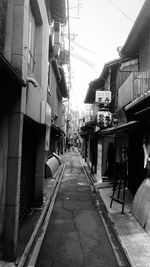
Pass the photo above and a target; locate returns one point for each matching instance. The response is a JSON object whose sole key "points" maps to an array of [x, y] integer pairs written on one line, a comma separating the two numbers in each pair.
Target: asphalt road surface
{"points": [[75, 236]]}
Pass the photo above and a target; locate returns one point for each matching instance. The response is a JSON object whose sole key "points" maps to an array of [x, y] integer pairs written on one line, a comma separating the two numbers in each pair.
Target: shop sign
{"points": [[103, 97]]}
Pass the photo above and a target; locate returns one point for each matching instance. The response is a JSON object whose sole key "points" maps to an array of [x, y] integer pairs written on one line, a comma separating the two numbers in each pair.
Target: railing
{"points": [[135, 86]]}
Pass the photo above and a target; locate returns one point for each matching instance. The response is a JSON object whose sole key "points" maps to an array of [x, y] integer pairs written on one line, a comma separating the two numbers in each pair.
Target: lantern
{"points": [[104, 118]]}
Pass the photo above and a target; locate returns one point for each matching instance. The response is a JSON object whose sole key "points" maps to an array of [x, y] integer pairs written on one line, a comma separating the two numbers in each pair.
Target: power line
{"points": [[82, 59], [79, 45], [84, 48], [120, 10], [77, 54]]}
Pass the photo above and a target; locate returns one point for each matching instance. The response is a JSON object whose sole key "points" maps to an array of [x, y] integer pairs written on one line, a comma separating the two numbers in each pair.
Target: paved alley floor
{"points": [[75, 234]]}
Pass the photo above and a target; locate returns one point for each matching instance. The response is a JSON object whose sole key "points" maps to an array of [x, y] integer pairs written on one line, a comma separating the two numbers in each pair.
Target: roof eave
{"points": [[131, 45], [5, 67], [99, 82]]}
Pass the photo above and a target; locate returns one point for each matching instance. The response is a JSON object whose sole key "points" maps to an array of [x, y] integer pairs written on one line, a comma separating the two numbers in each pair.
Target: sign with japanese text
{"points": [[103, 97], [104, 119]]}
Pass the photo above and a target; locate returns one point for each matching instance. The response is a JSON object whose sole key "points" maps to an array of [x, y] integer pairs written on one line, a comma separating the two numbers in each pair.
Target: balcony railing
{"points": [[136, 85]]}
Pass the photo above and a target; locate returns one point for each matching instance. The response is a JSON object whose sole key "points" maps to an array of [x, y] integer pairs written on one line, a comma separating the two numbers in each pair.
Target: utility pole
{"points": [[69, 65], [69, 50]]}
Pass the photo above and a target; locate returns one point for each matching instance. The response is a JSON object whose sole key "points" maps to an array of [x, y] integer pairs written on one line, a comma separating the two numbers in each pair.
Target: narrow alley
{"points": [[75, 235]]}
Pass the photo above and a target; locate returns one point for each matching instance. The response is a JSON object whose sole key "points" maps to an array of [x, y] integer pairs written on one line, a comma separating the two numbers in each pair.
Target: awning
{"points": [[89, 127], [60, 78], [56, 127], [58, 10], [62, 84], [56, 70], [6, 70], [120, 128]]}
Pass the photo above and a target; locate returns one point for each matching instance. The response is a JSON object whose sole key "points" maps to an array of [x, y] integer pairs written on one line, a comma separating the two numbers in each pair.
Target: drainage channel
{"points": [[122, 259], [31, 252]]}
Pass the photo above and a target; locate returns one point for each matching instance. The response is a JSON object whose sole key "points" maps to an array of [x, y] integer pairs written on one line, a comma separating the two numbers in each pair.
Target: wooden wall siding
{"points": [[136, 85], [144, 51]]}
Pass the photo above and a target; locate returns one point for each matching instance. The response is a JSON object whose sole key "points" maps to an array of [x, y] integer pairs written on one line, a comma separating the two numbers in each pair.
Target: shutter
{"points": [[27, 170]]}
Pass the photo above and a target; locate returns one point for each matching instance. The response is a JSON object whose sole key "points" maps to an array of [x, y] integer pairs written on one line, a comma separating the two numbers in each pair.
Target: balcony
{"points": [[136, 87]]}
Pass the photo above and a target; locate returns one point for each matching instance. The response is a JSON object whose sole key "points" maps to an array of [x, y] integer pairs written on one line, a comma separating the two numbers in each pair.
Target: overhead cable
{"points": [[82, 59], [84, 48], [120, 10]]}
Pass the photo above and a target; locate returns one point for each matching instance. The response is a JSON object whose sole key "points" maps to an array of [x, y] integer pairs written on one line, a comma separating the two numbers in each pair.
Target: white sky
{"points": [[101, 28]]}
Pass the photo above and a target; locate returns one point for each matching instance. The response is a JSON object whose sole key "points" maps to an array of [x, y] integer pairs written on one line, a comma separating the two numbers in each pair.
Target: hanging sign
{"points": [[104, 119], [103, 97]]}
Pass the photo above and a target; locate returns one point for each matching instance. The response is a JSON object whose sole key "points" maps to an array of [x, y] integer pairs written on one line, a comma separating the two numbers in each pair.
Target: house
{"points": [[130, 91], [104, 144], [129, 134], [57, 91], [136, 106], [136, 88]]}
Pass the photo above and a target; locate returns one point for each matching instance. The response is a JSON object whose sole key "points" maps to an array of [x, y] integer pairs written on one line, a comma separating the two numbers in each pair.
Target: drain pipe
{"points": [[32, 81]]}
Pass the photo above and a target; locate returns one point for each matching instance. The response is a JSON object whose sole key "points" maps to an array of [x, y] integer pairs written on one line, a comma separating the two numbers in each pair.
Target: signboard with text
{"points": [[103, 97], [104, 119]]}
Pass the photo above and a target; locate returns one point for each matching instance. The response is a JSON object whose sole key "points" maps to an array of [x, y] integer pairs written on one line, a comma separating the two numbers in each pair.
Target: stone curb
{"points": [[39, 223]]}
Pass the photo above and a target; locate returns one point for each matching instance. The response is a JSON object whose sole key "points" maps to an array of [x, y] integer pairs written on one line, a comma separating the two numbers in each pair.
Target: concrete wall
{"points": [[4, 122], [36, 95], [55, 100], [16, 52], [23, 101], [3, 10], [13, 176]]}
